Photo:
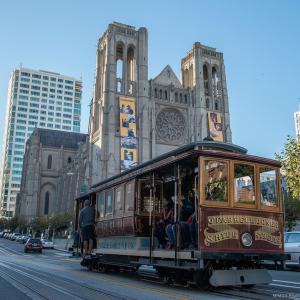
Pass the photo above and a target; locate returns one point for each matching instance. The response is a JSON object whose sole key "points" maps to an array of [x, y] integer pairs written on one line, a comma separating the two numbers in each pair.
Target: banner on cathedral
{"points": [[128, 133], [215, 126]]}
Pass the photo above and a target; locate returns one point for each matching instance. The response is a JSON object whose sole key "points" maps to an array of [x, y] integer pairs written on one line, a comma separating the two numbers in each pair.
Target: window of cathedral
{"points": [[69, 160], [119, 66], [119, 87], [205, 79], [160, 94], [46, 207], [155, 92], [49, 162], [217, 105], [176, 97], [185, 99], [207, 103], [130, 64], [166, 95], [180, 96]]}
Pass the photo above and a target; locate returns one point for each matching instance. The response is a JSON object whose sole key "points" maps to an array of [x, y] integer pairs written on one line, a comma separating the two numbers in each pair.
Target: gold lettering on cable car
{"points": [[224, 227]]}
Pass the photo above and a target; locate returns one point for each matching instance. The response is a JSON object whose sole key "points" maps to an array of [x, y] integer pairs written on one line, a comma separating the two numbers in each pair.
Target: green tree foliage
{"points": [[290, 161], [3, 224], [39, 224], [12, 224], [60, 221], [292, 213]]}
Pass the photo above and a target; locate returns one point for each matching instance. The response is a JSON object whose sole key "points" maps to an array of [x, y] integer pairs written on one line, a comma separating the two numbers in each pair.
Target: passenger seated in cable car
{"points": [[187, 210], [164, 227]]}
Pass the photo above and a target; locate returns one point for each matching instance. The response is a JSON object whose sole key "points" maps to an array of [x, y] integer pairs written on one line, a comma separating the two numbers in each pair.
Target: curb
{"points": [[62, 250]]}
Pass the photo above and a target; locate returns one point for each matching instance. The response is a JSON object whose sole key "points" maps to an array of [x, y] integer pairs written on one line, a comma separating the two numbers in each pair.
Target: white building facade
{"points": [[35, 99]]}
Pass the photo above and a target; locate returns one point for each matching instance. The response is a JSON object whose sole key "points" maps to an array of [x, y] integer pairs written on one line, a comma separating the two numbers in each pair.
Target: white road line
{"points": [[292, 282], [5, 252], [41, 281], [283, 285]]}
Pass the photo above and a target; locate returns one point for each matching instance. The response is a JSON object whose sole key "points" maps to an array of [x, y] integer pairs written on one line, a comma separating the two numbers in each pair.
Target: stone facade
{"points": [[51, 178], [169, 112]]}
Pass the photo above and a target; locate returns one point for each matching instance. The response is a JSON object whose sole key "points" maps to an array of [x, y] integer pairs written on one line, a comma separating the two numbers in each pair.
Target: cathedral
{"points": [[134, 119]]}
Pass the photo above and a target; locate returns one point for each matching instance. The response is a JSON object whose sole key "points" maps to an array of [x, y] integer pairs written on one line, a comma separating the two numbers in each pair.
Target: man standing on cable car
{"points": [[87, 226]]}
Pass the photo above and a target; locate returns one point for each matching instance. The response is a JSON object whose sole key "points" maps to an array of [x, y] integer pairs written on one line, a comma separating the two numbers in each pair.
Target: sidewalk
{"points": [[63, 244]]}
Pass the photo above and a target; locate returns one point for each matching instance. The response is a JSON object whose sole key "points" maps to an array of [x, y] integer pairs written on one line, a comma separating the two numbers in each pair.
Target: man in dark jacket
{"points": [[86, 224]]}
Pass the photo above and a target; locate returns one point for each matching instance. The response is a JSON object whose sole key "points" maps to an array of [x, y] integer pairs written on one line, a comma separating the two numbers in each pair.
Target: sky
{"points": [[260, 41]]}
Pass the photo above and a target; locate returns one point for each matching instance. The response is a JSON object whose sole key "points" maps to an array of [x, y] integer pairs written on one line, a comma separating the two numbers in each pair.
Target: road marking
{"points": [[5, 252], [42, 281], [292, 282], [284, 285], [134, 286]]}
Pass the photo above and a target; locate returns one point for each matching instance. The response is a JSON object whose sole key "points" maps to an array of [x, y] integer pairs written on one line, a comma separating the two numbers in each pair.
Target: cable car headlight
{"points": [[246, 239]]}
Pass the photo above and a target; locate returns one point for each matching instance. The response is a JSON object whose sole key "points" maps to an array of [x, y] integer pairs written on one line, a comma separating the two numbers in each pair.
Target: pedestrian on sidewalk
{"points": [[87, 226]]}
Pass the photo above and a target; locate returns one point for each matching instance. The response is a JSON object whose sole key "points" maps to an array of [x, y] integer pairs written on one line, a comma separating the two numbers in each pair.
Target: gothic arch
{"points": [[49, 162], [47, 200], [131, 58], [215, 72], [205, 71], [46, 204], [120, 47]]}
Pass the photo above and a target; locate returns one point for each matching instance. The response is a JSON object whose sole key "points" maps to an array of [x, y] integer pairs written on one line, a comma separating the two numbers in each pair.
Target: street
{"points": [[57, 275]]}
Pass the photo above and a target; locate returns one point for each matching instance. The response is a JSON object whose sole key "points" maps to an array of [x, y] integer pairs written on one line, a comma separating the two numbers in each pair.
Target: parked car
{"points": [[18, 238], [33, 245], [292, 247], [15, 236], [3, 233], [47, 244], [25, 238]]}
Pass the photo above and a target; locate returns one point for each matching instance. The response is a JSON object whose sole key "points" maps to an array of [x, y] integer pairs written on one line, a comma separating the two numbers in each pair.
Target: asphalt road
{"points": [[57, 275]]}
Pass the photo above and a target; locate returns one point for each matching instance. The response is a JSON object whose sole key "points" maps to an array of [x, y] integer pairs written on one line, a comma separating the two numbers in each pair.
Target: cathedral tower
{"points": [[203, 71], [120, 101]]}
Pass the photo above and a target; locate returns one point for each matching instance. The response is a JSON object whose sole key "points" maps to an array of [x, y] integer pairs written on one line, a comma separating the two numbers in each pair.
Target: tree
{"points": [[59, 222], [3, 224], [12, 224], [290, 161], [39, 224], [292, 212]]}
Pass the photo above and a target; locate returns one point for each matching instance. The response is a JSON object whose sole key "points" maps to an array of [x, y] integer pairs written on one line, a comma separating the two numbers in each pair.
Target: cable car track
{"points": [[28, 273]]}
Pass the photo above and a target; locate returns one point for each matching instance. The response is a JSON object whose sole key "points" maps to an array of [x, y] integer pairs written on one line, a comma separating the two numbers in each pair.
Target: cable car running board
{"points": [[239, 277]]}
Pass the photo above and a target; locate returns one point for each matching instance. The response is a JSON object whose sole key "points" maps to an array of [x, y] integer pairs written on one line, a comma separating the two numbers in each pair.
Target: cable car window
{"points": [[147, 196], [129, 196], [268, 190], [119, 199], [244, 184], [215, 179], [109, 202], [101, 204]]}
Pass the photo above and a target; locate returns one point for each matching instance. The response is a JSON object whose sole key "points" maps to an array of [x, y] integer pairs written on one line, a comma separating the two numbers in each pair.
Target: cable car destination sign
{"points": [[226, 228]]}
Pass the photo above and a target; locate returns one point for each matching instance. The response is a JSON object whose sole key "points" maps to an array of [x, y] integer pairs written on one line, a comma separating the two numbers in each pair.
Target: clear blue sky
{"points": [[260, 41]]}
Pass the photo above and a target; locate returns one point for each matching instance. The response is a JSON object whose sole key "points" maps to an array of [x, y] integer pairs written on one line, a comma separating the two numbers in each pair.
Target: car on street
{"points": [[33, 245], [25, 238], [292, 247], [47, 244]]}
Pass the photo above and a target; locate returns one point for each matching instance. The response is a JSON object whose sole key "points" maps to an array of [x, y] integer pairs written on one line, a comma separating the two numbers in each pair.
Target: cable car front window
{"points": [[244, 184], [216, 181], [268, 190]]}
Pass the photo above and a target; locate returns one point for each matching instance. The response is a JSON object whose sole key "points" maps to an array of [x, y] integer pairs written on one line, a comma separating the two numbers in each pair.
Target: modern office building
{"points": [[35, 99], [297, 123]]}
